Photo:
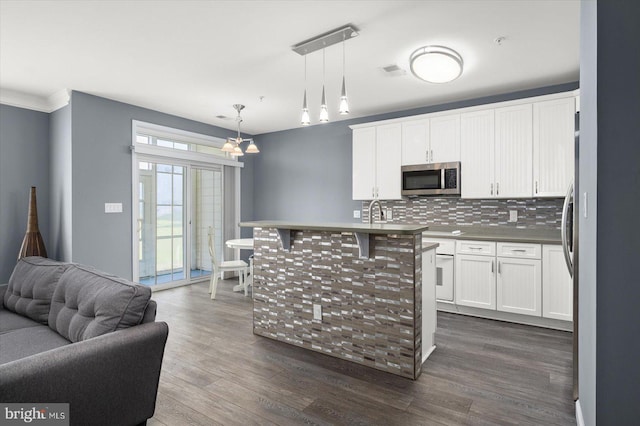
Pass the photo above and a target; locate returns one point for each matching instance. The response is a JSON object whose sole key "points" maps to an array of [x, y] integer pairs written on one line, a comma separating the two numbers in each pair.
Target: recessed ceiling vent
{"points": [[393, 70], [222, 117]]}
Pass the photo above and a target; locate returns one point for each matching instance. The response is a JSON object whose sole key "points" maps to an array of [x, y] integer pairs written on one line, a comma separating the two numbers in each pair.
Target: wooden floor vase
{"points": [[32, 245]]}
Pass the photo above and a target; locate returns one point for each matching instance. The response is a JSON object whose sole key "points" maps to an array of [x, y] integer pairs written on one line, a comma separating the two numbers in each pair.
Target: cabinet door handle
{"points": [[426, 154], [373, 192], [499, 268], [497, 188], [491, 189], [536, 187], [492, 266], [432, 156]]}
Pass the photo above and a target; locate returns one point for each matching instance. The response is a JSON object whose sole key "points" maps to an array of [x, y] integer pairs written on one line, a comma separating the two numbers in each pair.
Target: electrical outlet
{"points": [[356, 214], [389, 214], [513, 215], [317, 312]]}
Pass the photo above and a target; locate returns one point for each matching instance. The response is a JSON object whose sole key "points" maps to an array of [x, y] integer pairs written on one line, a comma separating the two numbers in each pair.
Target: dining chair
{"points": [[228, 265]]}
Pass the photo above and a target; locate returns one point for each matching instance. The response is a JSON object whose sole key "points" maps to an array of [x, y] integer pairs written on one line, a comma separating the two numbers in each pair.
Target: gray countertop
{"points": [[428, 246], [376, 228], [495, 233]]}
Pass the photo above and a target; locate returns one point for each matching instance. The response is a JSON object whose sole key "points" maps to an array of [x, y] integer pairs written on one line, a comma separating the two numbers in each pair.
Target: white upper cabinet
{"points": [[477, 154], [444, 138], [513, 151], [415, 142], [434, 140], [376, 162], [388, 157], [364, 163], [553, 147]]}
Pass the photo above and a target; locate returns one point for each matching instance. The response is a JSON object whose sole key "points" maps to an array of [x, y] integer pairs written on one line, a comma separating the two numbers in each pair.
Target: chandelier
{"points": [[232, 145]]}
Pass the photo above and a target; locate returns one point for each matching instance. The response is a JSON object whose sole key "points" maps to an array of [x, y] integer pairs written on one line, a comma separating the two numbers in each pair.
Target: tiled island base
{"points": [[371, 307]]}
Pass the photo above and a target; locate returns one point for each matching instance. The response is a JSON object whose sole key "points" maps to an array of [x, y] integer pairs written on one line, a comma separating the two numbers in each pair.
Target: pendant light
{"points": [[324, 112], [305, 120], [344, 103], [232, 145], [322, 41]]}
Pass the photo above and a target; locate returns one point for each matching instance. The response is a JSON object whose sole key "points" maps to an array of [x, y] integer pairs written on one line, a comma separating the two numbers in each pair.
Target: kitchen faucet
{"points": [[375, 201]]}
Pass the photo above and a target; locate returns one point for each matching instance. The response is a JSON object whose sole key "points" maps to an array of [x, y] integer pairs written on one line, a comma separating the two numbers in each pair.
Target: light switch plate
{"points": [[513, 215], [356, 214], [113, 207]]}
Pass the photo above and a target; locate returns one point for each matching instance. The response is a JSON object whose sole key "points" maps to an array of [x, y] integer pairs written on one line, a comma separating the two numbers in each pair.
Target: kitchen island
{"points": [[350, 290]]}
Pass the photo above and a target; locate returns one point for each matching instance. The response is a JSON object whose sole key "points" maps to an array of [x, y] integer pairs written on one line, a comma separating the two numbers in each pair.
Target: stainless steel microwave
{"points": [[431, 179]]}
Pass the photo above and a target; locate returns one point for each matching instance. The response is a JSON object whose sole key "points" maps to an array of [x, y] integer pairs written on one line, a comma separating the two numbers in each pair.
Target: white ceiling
{"points": [[196, 59]]}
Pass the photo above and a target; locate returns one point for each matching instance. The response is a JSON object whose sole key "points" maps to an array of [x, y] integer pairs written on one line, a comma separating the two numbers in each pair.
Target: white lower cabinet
{"points": [[512, 277], [518, 286], [557, 285], [475, 281]]}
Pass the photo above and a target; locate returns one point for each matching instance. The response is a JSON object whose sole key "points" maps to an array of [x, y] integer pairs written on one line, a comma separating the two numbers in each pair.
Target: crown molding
{"points": [[35, 102]]}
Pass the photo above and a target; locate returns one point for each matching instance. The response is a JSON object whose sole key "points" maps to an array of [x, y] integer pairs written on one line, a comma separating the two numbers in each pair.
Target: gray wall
{"points": [[588, 179], [101, 136], [60, 184], [305, 174], [24, 162], [618, 204]]}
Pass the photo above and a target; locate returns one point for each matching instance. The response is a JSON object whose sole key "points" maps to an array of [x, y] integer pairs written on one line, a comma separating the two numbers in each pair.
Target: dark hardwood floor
{"points": [[483, 372]]}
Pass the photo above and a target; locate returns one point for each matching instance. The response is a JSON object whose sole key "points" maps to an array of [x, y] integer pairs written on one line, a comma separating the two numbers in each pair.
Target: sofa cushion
{"points": [[31, 286], [88, 303], [18, 344], [11, 321]]}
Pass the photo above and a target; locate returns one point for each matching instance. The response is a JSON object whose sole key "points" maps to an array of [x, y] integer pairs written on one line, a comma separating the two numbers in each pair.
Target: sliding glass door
{"points": [[177, 203], [206, 193]]}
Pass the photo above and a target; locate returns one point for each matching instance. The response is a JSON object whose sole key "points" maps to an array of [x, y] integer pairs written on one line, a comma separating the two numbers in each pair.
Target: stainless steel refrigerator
{"points": [[569, 231]]}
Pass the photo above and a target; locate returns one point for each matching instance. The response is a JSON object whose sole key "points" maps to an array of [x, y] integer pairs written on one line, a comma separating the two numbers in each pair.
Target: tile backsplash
{"points": [[538, 213]]}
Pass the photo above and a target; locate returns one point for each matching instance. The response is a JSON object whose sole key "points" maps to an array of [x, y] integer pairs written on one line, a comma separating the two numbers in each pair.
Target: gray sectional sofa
{"points": [[72, 334]]}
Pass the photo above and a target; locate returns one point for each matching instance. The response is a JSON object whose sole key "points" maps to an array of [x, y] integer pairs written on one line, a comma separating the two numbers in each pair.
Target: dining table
{"points": [[243, 244]]}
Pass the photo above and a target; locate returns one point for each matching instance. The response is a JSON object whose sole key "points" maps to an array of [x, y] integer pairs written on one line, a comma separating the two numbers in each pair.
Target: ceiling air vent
{"points": [[394, 70]]}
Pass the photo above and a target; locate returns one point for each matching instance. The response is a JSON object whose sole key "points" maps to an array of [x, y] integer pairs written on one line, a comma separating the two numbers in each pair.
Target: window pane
{"points": [[164, 188], [177, 190], [164, 256], [177, 255], [142, 139], [181, 146], [166, 144], [166, 168], [164, 221], [177, 221]]}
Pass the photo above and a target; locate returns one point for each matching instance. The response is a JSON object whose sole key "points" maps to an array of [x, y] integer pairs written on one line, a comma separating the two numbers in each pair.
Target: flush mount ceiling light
{"points": [[232, 145], [436, 64]]}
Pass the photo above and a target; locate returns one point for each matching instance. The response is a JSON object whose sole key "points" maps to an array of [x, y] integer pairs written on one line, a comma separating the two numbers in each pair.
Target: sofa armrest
{"points": [[3, 290], [107, 380]]}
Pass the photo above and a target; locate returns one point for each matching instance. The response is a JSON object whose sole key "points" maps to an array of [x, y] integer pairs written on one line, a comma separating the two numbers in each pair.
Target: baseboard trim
{"points": [[428, 353], [505, 316], [579, 418]]}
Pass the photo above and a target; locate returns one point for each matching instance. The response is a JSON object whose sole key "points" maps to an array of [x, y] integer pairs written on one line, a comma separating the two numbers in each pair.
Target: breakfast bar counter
{"points": [[353, 291]]}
